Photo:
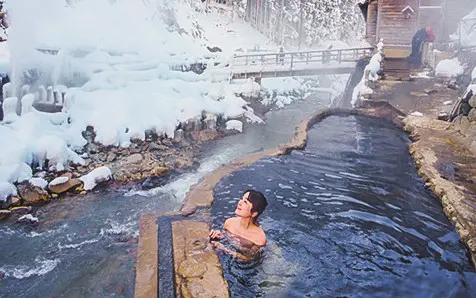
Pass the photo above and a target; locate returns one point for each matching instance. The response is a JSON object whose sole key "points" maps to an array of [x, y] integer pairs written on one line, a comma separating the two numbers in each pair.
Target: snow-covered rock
{"points": [[417, 114], [28, 218], [58, 180], [38, 182], [95, 177], [449, 68], [234, 125]]}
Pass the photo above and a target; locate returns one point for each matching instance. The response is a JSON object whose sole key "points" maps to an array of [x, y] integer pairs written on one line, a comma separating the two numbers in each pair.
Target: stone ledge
{"points": [[147, 258], [198, 272], [436, 143]]}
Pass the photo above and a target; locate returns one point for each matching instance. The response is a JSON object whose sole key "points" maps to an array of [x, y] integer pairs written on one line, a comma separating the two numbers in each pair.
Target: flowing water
{"points": [[347, 217], [85, 246]]}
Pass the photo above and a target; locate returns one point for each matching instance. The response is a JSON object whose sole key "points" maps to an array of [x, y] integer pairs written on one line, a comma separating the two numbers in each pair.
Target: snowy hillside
{"points": [[116, 62]]}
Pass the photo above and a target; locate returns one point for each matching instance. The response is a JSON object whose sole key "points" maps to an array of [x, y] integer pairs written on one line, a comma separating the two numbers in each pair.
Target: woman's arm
{"points": [[234, 254], [217, 234]]}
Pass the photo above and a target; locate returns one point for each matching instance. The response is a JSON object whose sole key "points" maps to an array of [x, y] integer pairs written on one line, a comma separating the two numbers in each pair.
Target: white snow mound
{"points": [[449, 68]]}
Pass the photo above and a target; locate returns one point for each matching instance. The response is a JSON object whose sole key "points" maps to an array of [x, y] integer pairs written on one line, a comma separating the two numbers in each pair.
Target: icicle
{"points": [[27, 103], [49, 95], [7, 90], [25, 89], [68, 101], [9, 109], [41, 94]]}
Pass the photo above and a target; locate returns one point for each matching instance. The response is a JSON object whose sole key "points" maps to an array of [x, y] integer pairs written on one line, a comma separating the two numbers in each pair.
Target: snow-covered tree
{"points": [[306, 22]]}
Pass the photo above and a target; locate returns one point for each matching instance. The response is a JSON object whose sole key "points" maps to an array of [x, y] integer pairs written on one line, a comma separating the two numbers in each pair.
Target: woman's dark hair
{"points": [[258, 201]]}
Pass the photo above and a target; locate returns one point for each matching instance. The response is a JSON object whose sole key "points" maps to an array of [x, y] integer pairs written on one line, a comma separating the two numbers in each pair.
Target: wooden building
{"points": [[396, 21]]}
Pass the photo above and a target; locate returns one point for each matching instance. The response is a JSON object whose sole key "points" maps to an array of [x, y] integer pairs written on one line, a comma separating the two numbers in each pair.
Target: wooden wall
{"points": [[372, 16], [392, 26], [385, 19]]}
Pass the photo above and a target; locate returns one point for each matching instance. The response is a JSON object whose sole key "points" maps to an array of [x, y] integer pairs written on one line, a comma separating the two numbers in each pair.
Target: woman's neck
{"points": [[246, 222]]}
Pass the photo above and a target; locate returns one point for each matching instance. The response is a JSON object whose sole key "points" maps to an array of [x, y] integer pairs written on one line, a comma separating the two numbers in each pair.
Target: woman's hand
{"points": [[215, 234], [218, 245]]}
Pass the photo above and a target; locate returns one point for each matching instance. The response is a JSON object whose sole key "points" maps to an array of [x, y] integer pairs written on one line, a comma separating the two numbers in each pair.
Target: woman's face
{"points": [[243, 209]]}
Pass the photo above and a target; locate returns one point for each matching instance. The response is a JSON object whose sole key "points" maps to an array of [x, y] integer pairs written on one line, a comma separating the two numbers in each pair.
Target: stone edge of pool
{"points": [[198, 276]]}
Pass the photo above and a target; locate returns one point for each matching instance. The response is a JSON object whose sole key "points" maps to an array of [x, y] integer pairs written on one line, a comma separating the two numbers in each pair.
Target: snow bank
{"points": [[110, 25], [15, 172], [370, 73], [449, 68], [126, 85], [466, 33], [282, 85], [6, 190], [96, 176], [31, 140], [118, 81]]}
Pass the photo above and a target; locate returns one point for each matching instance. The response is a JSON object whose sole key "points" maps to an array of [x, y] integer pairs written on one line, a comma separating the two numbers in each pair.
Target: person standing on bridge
{"points": [[281, 55], [421, 36]]}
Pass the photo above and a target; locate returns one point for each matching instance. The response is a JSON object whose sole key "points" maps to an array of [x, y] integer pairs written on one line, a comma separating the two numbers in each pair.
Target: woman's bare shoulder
{"points": [[260, 237], [230, 221]]}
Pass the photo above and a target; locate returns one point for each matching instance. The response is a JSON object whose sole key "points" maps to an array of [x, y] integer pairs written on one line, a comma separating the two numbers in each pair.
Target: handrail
{"points": [[303, 52], [295, 62]]}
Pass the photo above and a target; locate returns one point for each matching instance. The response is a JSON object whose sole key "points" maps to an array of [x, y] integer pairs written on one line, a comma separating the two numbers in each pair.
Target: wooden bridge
{"points": [[301, 63]]}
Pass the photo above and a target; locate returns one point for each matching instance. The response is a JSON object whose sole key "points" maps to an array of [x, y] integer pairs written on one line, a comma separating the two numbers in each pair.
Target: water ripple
{"points": [[349, 217]]}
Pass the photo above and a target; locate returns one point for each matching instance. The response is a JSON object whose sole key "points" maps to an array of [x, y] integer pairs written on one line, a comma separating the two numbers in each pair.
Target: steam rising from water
{"points": [[146, 28]]}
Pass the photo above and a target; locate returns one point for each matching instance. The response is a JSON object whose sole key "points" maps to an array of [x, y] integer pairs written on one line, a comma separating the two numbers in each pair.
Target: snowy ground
{"points": [[116, 69]]}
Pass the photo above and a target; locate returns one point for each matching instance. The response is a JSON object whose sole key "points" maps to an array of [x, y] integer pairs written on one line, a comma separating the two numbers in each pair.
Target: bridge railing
{"points": [[299, 59]]}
